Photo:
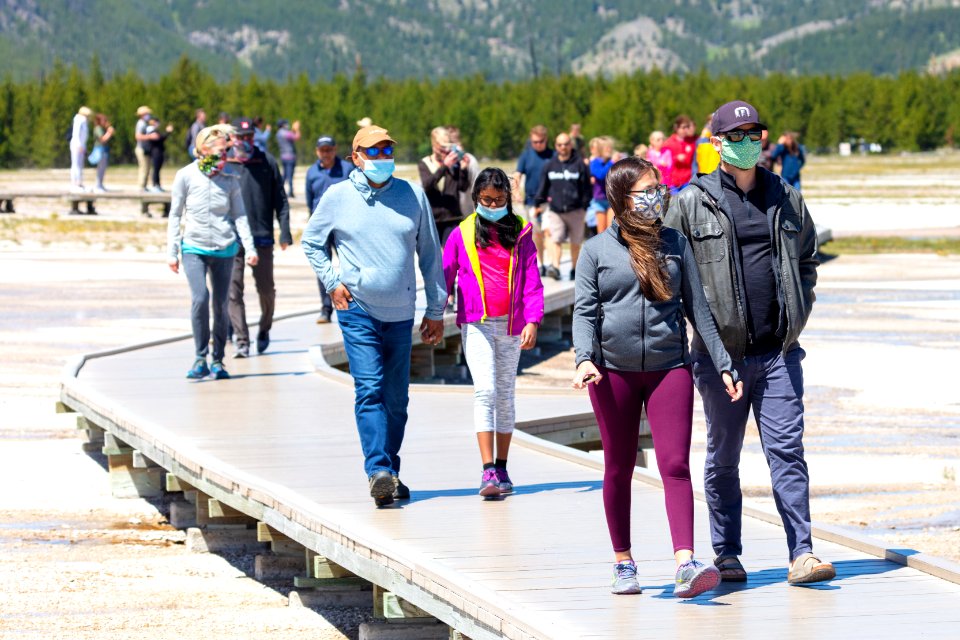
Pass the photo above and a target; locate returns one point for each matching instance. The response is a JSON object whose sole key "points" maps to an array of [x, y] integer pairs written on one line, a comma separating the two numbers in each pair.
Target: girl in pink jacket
{"points": [[493, 261]]}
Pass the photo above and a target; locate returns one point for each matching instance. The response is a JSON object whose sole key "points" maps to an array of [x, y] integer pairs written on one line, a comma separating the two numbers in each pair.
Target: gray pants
{"points": [[266, 291], [492, 355], [196, 268], [773, 388]]}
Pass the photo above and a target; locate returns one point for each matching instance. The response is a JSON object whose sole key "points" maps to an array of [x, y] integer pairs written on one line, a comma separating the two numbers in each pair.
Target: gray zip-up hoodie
{"points": [[212, 211], [376, 233], [616, 327]]}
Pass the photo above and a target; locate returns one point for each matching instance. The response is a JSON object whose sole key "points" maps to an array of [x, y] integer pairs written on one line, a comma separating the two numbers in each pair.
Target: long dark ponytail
{"points": [[642, 236], [508, 227]]}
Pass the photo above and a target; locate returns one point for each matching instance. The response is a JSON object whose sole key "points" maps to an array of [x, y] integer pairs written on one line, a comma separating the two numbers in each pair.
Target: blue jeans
{"points": [[196, 268], [288, 168], [379, 356], [773, 388]]}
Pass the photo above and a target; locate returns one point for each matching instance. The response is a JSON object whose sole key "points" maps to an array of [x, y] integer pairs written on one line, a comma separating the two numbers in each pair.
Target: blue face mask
{"points": [[493, 215], [378, 171]]}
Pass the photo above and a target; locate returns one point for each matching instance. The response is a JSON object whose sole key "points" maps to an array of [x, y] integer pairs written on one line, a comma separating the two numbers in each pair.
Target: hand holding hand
{"points": [[341, 298], [735, 392], [528, 337], [586, 373]]}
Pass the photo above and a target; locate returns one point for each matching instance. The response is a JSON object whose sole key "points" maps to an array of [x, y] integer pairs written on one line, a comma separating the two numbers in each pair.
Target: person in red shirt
{"points": [[682, 145]]}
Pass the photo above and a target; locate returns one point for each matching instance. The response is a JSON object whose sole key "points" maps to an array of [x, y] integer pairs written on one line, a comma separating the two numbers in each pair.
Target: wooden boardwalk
{"points": [[278, 442]]}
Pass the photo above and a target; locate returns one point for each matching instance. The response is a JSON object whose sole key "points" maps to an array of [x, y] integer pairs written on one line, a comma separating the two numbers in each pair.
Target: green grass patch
{"points": [[860, 245]]}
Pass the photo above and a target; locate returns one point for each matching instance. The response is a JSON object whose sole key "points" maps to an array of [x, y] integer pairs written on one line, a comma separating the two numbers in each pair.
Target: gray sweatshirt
{"points": [[376, 233], [616, 327], [211, 210]]}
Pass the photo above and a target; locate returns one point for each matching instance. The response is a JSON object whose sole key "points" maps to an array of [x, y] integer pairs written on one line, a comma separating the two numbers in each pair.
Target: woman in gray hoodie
{"points": [[206, 199]]}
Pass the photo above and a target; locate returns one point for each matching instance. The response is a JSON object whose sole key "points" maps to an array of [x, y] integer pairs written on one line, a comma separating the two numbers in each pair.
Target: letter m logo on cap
{"points": [[741, 112]]}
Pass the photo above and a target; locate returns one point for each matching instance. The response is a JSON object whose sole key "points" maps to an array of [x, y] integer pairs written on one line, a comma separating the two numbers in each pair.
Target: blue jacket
{"points": [[320, 179], [791, 163], [376, 233]]}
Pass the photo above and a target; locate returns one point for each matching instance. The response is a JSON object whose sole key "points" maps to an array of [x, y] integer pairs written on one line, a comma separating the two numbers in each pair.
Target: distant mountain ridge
{"points": [[499, 39]]}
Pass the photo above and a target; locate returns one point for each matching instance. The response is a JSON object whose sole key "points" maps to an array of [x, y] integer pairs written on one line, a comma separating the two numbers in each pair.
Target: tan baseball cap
{"points": [[369, 136], [144, 110]]}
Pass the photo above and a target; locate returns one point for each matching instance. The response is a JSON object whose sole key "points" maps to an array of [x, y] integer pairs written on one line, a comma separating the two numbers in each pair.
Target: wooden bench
{"points": [[8, 197]]}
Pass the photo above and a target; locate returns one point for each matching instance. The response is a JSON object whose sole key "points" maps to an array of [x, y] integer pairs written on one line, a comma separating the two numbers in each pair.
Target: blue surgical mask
{"points": [[378, 171], [493, 215]]}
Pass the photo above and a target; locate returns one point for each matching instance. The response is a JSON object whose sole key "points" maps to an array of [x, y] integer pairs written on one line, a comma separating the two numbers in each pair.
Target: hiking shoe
{"points": [[553, 272], [382, 488], [489, 484], [199, 369], [503, 479], [625, 579], [694, 577], [243, 351], [324, 317], [809, 568], [400, 491], [216, 368], [263, 341]]}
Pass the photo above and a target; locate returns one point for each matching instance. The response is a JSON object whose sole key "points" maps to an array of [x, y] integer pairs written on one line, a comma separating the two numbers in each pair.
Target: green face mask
{"points": [[743, 154]]}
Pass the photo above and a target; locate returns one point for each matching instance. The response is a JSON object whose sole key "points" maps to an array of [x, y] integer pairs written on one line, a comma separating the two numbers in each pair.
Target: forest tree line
{"points": [[908, 112]]}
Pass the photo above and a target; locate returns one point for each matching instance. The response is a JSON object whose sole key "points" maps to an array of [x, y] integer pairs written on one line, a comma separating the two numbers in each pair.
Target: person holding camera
{"points": [[444, 176]]}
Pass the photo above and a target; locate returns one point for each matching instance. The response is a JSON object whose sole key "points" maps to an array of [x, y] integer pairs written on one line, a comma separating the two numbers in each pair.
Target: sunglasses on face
{"points": [[494, 203], [738, 134], [373, 152]]}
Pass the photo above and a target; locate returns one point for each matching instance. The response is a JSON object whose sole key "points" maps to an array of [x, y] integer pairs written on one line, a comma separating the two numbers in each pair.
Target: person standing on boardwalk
{"points": [[635, 285], [563, 198], [198, 124], [756, 248], [208, 202], [530, 167], [102, 134], [683, 147], [264, 200], [287, 137], [157, 150], [444, 176], [78, 147], [141, 149], [328, 170], [792, 156], [493, 261], [380, 226]]}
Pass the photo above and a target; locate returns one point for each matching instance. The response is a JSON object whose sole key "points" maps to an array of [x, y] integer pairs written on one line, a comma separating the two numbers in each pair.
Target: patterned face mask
{"points": [[211, 164], [744, 154], [648, 204]]}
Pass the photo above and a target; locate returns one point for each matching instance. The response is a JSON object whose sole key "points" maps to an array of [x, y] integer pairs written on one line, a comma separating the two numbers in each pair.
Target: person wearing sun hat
{"points": [[140, 150], [382, 230], [78, 146], [756, 249]]}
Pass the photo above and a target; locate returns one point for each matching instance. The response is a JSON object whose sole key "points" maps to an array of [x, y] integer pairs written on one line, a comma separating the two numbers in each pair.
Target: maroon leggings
{"points": [[617, 400]]}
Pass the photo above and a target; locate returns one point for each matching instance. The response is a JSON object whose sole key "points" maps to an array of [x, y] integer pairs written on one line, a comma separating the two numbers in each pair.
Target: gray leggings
{"points": [[492, 356], [196, 268]]}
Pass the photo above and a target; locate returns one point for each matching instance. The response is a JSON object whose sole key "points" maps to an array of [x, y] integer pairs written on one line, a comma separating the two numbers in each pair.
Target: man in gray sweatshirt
{"points": [[377, 223]]}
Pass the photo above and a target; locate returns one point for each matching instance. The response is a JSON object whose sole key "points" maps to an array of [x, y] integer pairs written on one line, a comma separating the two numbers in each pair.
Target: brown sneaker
{"points": [[808, 568]]}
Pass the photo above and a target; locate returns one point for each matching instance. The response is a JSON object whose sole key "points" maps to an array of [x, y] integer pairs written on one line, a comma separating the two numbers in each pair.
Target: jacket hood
{"points": [[359, 180]]}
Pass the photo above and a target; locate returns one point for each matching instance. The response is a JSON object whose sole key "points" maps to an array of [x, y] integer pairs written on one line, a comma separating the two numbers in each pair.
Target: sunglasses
{"points": [[373, 152], [738, 134], [495, 203]]}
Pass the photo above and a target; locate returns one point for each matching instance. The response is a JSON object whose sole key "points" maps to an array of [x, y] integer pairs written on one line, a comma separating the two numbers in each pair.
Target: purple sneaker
{"points": [[503, 479], [489, 485]]}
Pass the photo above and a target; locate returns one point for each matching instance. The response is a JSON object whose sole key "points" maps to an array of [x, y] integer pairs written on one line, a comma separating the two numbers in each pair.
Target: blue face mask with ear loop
{"points": [[378, 171], [493, 215]]}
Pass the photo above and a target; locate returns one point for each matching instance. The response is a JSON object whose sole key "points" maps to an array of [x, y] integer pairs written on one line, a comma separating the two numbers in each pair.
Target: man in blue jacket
{"points": [[328, 170], [379, 225]]}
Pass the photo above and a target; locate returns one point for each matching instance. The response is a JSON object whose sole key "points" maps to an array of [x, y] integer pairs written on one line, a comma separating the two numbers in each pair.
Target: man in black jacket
{"points": [[756, 249], [565, 188], [263, 197]]}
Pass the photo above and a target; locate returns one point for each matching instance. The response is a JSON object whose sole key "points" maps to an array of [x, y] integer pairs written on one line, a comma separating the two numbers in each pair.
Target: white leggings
{"points": [[492, 356], [78, 154]]}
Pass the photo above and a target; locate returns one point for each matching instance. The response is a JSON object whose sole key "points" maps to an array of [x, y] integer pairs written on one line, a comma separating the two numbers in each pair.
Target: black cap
{"points": [[735, 114], [326, 141], [244, 126]]}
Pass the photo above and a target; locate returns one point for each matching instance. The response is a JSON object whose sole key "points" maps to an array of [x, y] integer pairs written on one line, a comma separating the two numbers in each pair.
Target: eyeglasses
{"points": [[738, 134], [652, 192], [564, 144], [538, 142], [648, 203], [373, 152], [493, 202]]}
